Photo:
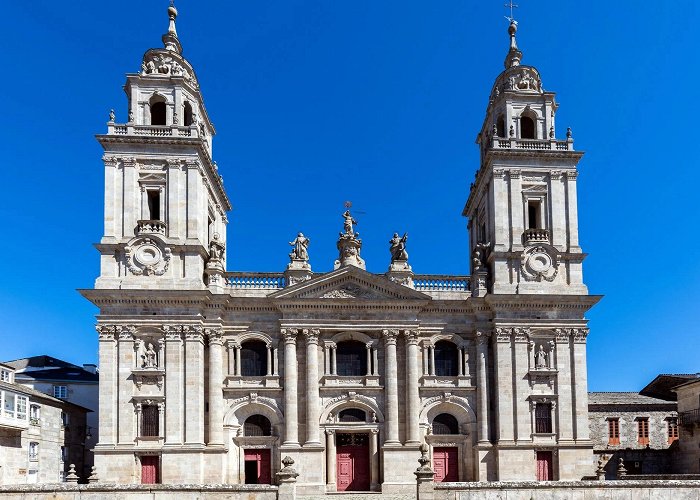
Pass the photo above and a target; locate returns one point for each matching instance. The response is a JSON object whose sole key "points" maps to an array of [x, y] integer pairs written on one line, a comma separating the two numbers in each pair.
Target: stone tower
{"points": [[164, 199], [522, 207]]}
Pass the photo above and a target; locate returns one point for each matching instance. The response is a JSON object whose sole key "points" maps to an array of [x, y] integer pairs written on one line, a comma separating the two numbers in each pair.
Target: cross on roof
{"points": [[511, 6]]}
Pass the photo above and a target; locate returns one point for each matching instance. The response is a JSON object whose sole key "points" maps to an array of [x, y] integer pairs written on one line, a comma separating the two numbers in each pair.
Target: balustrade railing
{"points": [[152, 130], [532, 144], [535, 236], [441, 283], [255, 281], [691, 417], [150, 227]]}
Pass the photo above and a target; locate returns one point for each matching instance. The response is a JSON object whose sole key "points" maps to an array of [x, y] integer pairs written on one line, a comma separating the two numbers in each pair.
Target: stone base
{"points": [[399, 479]]}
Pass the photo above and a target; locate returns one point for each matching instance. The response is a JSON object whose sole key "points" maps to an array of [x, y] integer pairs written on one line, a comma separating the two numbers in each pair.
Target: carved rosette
{"points": [[146, 256], [540, 262]]}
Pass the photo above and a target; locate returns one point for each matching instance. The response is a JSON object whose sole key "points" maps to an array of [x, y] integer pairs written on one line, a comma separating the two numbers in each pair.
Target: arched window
{"points": [[188, 114], [351, 358], [445, 359], [253, 358], [501, 127], [157, 109], [352, 415], [445, 424], [257, 425], [527, 127]]}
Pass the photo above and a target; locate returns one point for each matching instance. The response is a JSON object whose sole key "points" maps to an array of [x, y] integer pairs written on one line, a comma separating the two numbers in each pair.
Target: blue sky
{"points": [[374, 101]]}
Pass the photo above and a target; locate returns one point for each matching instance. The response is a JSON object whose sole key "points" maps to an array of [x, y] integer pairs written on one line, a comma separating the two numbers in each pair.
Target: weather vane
{"points": [[511, 6]]}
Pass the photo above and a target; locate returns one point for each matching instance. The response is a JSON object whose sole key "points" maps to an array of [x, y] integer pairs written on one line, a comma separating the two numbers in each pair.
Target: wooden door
{"points": [[149, 469], [257, 467], [445, 464], [545, 469], [352, 463]]}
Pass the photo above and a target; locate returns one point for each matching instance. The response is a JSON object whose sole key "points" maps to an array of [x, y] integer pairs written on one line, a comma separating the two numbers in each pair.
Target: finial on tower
{"points": [[514, 55], [170, 39]]}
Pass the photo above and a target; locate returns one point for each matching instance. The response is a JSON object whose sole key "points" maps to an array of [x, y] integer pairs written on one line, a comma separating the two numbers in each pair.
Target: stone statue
{"points": [[131, 116], [479, 258], [111, 115], [397, 247], [541, 358], [149, 357], [216, 249], [300, 248], [348, 223]]}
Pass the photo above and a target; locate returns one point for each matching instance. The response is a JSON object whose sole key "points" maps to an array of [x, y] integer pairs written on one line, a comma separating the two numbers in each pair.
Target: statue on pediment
{"points": [[397, 247], [300, 247]]}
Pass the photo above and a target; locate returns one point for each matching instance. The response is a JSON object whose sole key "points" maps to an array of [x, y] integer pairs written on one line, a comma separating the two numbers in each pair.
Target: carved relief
{"points": [[540, 262], [350, 292], [146, 256], [164, 63]]}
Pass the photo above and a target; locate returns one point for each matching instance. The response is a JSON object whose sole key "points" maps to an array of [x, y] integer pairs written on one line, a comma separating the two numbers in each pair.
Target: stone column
{"points": [[174, 423], [269, 360], [375, 368], [216, 378], [291, 416], [231, 358], [326, 359], [238, 360], [334, 365], [564, 390], [127, 362], [412, 396], [432, 360], [108, 394], [369, 358], [503, 364], [426, 364], [391, 388], [460, 361], [275, 359], [313, 406], [330, 457], [482, 360], [194, 384], [374, 459]]}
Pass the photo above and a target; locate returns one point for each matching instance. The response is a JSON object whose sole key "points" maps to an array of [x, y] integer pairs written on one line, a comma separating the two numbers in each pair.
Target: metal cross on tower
{"points": [[511, 6]]}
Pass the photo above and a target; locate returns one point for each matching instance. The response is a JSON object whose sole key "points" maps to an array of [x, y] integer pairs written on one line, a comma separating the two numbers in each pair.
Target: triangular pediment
{"points": [[349, 283]]}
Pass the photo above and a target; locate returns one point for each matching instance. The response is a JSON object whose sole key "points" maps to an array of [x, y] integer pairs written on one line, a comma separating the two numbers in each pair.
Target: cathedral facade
{"points": [[211, 376]]}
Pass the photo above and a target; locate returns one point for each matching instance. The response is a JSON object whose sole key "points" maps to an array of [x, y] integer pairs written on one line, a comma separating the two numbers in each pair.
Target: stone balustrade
{"points": [[532, 144], [152, 130], [255, 281], [441, 283], [535, 236], [150, 227]]}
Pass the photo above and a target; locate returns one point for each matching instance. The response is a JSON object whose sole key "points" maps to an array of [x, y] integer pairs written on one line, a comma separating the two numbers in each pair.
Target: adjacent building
{"points": [[68, 382], [40, 436], [688, 394], [211, 376], [640, 430]]}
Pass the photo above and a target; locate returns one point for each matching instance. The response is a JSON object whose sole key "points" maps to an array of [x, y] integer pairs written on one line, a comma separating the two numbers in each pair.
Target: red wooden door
{"points": [[149, 469], [545, 470], [445, 464], [257, 467], [352, 468]]}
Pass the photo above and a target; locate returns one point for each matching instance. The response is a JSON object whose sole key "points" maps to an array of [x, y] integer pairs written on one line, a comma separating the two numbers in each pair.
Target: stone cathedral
{"points": [[213, 376]]}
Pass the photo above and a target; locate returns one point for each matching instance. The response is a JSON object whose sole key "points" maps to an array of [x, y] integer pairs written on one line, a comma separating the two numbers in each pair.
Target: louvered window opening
{"points": [[149, 421], [543, 418]]}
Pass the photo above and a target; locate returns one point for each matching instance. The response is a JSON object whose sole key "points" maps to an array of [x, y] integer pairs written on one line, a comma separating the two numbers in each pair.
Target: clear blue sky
{"points": [[374, 101]]}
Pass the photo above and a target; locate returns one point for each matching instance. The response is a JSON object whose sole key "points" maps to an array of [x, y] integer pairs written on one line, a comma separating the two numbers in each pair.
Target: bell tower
{"points": [[165, 205], [522, 206]]}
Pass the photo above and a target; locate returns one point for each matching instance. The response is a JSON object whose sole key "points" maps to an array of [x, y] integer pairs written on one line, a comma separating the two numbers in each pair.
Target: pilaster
{"points": [[174, 390], [194, 384], [564, 389], [125, 388], [216, 378], [108, 400], [503, 354], [412, 396]]}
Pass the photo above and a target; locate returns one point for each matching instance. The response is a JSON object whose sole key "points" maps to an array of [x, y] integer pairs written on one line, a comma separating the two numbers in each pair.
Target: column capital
{"points": [[289, 335], [571, 174], [311, 335], [482, 337], [504, 334], [390, 336], [106, 332], [562, 335], [579, 335], [125, 332], [193, 333], [330, 432], [215, 336], [411, 336]]}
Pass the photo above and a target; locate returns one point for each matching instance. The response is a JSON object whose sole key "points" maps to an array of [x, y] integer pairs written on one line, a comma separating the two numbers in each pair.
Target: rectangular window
{"points": [[643, 431], [21, 407], [543, 418], [5, 376], [33, 451], [64, 454], [60, 391], [534, 220], [34, 414], [65, 419], [613, 431], [9, 406], [153, 204], [149, 421], [672, 430]]}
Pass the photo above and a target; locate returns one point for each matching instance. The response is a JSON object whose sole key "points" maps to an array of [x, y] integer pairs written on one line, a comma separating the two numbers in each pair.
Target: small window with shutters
{"points": [[149, 421], [543, 418], [613, 431], [643, 430], [672, 429]]}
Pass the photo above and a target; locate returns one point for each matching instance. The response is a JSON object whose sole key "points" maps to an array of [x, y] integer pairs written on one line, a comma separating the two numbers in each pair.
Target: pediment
{"points": [[349, 283]]}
